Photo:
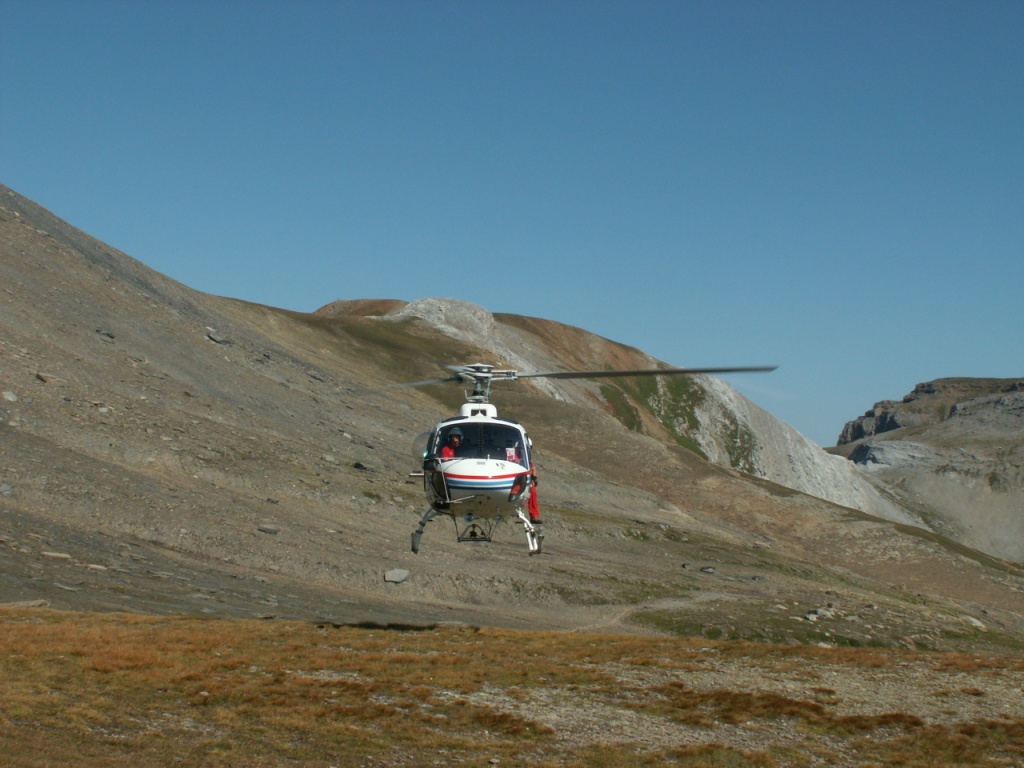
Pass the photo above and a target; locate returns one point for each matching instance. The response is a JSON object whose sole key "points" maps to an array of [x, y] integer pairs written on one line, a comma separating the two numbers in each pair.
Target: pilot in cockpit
{"points": [[452, 447]]}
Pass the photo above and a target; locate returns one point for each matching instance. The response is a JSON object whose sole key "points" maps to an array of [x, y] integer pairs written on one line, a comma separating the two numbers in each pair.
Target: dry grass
{"points": [[113, 690]]}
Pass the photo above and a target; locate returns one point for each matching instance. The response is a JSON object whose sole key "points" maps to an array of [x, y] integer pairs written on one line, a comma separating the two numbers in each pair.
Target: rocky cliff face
{"points": [[929, 403], [953, 451]]}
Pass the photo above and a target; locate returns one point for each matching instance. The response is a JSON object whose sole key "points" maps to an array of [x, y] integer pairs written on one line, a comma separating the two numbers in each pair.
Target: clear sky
{"points": [[833, 187]]}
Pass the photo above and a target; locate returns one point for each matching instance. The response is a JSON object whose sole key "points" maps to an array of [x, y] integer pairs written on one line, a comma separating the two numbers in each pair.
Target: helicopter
{"points": [[487, 476]]}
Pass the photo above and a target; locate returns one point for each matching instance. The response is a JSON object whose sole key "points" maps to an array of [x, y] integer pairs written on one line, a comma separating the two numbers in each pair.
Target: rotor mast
{"points": [[481, 375]]}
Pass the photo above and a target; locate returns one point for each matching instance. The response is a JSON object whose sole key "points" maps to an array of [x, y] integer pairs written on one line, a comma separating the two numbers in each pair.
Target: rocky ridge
{"points": [[930, 402]]}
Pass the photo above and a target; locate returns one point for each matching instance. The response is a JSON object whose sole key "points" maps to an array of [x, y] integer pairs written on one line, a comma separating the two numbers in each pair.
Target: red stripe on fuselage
{"points": [[458, 476]]}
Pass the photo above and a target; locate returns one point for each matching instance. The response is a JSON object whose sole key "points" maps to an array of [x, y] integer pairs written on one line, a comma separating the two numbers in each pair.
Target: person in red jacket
{"points": [[534, 505], [451, 448]]}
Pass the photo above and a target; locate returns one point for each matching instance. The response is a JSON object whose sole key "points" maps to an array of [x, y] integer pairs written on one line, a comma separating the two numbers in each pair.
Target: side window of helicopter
{"points": [[436, 443], [523, 450]]}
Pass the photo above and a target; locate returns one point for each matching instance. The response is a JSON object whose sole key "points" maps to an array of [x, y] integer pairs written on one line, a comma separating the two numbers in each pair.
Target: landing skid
{"points": [[534, 533], [418, 533]]}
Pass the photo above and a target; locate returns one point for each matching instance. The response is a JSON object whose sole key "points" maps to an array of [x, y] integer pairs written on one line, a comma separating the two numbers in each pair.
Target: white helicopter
{"points": [[476, 466]]}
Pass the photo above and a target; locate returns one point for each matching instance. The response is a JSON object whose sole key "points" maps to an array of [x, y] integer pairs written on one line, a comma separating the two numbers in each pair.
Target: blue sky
{"points": [[836, 188]]}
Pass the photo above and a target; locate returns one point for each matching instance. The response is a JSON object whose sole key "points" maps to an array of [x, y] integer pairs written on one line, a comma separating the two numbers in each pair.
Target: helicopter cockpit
{"points": [[483, 439]]}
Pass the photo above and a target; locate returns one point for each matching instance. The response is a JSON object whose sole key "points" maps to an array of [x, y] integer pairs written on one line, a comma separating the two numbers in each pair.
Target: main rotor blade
{"points": [[646, 372], [428, 382]]}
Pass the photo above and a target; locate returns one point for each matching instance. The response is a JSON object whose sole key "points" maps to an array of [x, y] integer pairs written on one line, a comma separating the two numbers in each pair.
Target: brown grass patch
{"points": [[708, 708], [111, 690]]}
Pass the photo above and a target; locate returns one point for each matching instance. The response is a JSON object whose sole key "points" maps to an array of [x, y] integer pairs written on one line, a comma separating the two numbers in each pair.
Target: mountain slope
{"points": [[163, 450]]}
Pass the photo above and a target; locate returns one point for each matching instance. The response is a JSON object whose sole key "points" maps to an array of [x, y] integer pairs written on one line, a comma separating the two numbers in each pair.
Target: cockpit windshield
{"points": [[482, 440]]}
